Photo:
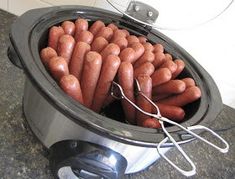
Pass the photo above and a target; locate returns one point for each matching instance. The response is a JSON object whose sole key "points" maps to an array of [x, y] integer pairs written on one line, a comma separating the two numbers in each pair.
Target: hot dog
{"points": [[148, 46], [148, 56], [125, 32], [189, 95], [105, 32], [110, 49], [151, 123], [170, 65], [139, 49], [46, 54], [54, 34], [90, 75], [172, 87], [58, 67], [171, 112], [127, 55], [188, 82], [71, 86], [107, 74], [160, 76], [142, 39], [145, 68], [112, 26], [69, 27], [65, 47], [126, 80], [168, 56], [121, 42], [76, 62], [159, 59], [85, 36], [132, 39], [80, 25], [99, 44], [96, 26], [158, 48], [180, 67], [145, 83]]}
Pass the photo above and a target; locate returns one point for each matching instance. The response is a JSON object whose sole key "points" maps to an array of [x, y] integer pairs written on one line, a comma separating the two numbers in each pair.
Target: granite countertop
{"points": [[23, 156]]}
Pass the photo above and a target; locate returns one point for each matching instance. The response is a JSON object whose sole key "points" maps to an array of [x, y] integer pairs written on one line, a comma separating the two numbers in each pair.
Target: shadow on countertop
{"points": [[23, 156]]}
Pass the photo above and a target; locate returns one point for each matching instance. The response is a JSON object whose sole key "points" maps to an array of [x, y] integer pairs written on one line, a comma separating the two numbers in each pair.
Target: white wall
{"points": [[212, 45]]}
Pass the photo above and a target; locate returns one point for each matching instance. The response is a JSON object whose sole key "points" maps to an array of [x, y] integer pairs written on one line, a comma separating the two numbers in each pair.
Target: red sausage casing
{"points": [[80, 25], [46, 54], [99, 44], [85, 36], [65, 47], [69, 27], [76, 62], [148, 56], [160, 76], [127, 55], [180, 67], [107, 74], [71, 86], [145, 83], [90, 75], [139, 49], [145, 68], [110, 49], [96, 26], [159, 59], [105, 32], [58, 67], [54, 35], [126, 80]]}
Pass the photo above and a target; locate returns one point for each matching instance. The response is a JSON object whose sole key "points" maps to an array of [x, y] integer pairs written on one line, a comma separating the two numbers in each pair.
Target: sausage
{"points": [[71, 86], [96, 26], [65, 47], [145, 83], [110, 49], [58, 67], [160, 96], [148, 46], [188, 96], [160, 76], [112, 26], [159, 59], [54, 34], [174, 113], [127, 55], [107, 74], [172, 87], [118, 34], [146, 57], [158, 48], [80, 25], [151, 123], [188, 82], [46, 54], [85, 36], [125, 32], [145, 68], [170, 65], [76, 62], [139, 49], [121, 42], [142, 39], [69, 27], [132, 39], [168, 56], [99, 44], [180, 67], [90, 75], [126, 80], [105, 32]]}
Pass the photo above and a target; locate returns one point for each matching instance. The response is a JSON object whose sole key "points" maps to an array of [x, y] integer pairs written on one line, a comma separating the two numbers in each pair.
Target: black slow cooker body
{"points": [[29, 35]]}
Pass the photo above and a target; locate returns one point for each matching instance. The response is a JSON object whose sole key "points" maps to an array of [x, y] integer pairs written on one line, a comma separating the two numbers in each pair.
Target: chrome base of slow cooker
{"points": [[51, 126]]}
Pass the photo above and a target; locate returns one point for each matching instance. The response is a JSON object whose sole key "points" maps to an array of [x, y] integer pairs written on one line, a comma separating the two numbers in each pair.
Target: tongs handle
{"points": [[223, 150]]}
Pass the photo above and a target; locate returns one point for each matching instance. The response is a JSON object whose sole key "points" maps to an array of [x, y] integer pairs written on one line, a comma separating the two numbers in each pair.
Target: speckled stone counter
{"points": [[23, 156]]}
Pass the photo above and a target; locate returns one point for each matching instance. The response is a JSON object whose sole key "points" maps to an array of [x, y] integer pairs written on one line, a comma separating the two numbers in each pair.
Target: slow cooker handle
{"points": [[89, 160], [13, 57]]}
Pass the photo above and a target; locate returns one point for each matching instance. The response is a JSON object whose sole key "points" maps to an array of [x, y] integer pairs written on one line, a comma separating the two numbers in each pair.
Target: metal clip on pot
{"points": [[117, 92]]}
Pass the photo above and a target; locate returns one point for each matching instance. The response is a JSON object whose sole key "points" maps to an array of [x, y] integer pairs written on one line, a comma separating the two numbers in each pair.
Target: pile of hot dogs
{"points": [[85, 59]]}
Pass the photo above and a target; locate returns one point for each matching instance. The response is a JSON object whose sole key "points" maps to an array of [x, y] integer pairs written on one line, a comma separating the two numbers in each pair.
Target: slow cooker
{"points": [[81, 142]]}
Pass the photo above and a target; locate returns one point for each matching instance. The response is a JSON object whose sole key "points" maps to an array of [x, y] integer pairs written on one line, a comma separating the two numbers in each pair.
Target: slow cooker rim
{"points": [[123, 136]]}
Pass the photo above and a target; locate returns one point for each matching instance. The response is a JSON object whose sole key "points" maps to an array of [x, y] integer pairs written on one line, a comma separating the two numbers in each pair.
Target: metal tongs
{"points": [[117, 92]]}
